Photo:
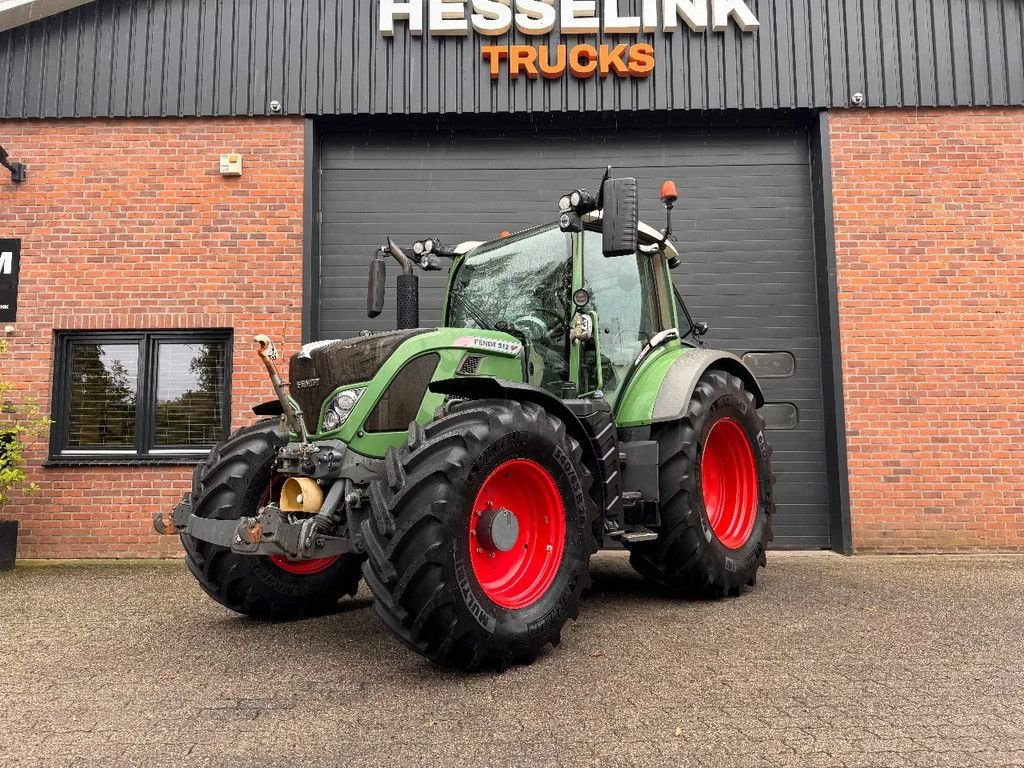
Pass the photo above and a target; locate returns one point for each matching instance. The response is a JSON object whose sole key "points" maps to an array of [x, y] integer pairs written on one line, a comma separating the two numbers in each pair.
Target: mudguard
{"points": [[488, 388], [662, 386]]}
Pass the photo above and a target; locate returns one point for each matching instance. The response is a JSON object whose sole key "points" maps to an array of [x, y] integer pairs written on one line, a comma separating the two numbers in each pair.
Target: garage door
{"points": [[743, 224]]}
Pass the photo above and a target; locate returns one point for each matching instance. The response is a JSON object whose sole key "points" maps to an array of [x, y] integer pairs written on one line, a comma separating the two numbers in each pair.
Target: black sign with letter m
{"points": [[10, 261]]}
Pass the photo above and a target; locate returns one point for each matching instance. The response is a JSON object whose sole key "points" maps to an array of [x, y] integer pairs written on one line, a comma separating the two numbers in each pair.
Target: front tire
{"points": [[481, 535], [233, 482], [717, 498]]}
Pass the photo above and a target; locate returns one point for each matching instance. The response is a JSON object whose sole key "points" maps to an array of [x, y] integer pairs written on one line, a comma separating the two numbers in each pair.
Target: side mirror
{"points": [[375, 286], [621, 217], [700, 328]]}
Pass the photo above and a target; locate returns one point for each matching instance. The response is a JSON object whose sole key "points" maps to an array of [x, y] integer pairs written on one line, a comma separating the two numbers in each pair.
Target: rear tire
{"points": [[451, 595], [232, 483], [715, 514]]}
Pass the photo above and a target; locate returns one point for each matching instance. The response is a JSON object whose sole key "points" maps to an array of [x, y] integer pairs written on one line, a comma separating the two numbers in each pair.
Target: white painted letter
{"points": [[721, 10], [7, 263], [694, 13], [615, 24], [579, 17], [650, 14], [535, 17], [448, 17], [492, 17], [392, 11]]}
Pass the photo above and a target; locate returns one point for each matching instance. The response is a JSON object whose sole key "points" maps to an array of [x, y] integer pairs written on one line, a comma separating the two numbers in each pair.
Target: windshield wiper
{"points": [[474, 312]]}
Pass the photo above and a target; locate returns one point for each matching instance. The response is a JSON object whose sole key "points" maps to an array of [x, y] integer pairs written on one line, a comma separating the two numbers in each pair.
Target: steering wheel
{"points": [[531, 326]]}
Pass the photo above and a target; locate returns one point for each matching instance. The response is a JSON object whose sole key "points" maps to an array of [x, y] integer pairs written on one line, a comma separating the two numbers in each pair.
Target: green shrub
{"points": [[21, 423]]}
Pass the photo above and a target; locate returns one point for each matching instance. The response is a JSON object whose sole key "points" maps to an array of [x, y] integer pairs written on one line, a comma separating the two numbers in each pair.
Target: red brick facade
{"points": [[129, 224], [930, 252]]}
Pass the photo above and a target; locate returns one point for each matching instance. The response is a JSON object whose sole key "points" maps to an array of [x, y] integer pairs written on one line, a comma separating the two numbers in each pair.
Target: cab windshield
{"points": [[521, 285]]}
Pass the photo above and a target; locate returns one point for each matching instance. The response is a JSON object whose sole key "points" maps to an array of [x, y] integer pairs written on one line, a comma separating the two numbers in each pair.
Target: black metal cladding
{"points": [[233, 57]]}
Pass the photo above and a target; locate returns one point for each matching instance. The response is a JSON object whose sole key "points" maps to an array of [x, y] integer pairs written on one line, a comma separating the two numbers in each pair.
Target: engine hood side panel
{"points": [[499, 354]]}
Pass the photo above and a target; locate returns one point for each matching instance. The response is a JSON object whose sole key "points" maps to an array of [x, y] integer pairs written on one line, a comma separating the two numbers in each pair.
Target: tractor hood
{"points": [[319, 368]]}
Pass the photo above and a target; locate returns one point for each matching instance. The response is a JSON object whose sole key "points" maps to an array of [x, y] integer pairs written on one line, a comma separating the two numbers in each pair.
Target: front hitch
{"points": [[270, 532]]}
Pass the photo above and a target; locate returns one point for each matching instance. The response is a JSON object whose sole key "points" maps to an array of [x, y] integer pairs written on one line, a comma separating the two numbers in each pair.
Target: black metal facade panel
{"points": [[323, 57], [743, 224]]}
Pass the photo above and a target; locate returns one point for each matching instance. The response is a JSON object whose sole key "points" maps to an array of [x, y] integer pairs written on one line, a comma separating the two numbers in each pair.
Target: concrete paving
{"points": [[830, 661]]}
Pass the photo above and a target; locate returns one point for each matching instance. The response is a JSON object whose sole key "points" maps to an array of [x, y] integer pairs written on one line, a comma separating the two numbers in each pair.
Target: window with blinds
{"points": [[146, 395]]}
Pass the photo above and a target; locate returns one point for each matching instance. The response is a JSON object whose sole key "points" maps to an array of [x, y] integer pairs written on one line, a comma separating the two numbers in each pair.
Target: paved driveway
{"points": [[830, 661]]}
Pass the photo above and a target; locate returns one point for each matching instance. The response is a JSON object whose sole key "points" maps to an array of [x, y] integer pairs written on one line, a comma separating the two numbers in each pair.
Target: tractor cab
{"points": [[584, 318]]}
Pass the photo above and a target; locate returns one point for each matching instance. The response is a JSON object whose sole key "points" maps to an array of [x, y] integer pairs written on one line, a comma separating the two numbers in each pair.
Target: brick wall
{"points": [[930, 251], [128, 224]]}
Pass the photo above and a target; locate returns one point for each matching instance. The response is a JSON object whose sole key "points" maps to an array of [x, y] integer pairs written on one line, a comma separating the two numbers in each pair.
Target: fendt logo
{"points": [[494, 18]]}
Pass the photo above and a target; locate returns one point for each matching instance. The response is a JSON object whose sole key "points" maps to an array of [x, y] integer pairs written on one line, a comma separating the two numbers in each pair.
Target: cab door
{"points": [[626, 308]]}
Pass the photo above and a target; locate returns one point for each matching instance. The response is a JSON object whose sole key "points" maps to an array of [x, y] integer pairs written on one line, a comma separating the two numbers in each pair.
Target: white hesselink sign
{"points": [[494, 18]]}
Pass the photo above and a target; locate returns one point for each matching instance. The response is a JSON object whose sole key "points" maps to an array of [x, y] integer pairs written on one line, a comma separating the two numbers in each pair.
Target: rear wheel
{"points": [[481, 535], [717, 498], [235, 481]]}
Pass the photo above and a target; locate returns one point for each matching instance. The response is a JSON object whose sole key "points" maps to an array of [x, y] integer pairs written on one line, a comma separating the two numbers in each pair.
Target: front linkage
{"points": [[277, 528]]}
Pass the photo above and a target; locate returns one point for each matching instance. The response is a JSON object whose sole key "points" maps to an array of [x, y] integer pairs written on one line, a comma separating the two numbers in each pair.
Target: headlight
{"points": [[339, 408]]}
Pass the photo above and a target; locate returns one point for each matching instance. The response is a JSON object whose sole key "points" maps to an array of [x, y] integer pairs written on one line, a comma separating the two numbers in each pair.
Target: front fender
{"points": [[661, 388], [490, 388]]}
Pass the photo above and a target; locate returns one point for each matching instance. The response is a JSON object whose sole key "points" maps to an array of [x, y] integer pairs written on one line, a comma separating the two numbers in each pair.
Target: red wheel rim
{"points": [[296, 567], [520, 576], [728, 476]]}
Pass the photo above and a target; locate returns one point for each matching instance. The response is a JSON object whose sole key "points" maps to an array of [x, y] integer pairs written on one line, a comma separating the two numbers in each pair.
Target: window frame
{"points": [[143, 452]]}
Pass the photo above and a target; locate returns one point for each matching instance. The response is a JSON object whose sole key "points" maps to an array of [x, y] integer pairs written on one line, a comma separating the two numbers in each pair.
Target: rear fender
{"points": [[661, 390]]}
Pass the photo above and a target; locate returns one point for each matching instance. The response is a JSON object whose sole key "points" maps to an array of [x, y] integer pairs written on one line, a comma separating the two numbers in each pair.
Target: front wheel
{"points": [[235, 481], [717, 497], [481, 535]]}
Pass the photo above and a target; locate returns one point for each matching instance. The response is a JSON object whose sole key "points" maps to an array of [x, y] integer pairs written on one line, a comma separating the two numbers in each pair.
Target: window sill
{"points": [[125, 461]]}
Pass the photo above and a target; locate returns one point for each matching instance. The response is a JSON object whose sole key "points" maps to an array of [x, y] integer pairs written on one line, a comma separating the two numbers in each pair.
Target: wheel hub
{"points": [[497, 529]]}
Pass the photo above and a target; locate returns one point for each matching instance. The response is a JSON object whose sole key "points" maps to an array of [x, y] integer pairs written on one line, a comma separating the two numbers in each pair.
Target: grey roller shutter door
{"points": [[743, 223]]}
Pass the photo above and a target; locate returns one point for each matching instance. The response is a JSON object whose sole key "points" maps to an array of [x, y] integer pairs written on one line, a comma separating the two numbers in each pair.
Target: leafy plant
{"points": [[21, 423]]}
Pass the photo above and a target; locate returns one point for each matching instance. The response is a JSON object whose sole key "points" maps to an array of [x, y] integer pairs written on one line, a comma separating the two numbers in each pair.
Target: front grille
{"points": [[322, 368]]}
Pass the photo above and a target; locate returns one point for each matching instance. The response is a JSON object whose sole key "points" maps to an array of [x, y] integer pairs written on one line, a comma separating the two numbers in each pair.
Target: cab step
{"points": [[634, 535]]}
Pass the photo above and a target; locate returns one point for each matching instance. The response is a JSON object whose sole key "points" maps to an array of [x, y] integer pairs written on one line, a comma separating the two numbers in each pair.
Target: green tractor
{"points": [[467, 473]]}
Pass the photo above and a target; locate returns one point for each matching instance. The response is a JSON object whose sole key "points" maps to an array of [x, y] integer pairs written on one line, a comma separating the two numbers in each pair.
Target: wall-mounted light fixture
{"points": [[19, 171]]}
